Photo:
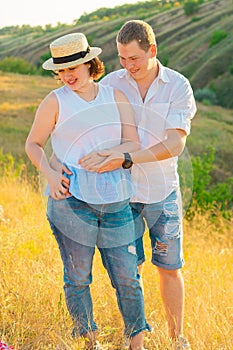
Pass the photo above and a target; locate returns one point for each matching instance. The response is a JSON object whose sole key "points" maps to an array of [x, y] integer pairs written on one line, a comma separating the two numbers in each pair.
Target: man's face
{"points": [[135, 60]]}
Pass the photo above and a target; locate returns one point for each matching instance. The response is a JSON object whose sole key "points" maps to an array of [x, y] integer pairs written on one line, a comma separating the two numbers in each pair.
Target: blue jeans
{"points": [[164, 222], [120, 261]]}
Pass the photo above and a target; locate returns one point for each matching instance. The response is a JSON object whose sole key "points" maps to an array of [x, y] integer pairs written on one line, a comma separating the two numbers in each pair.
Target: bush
{"points": [[190, 7], [9, 166], [217, 36], [206, 194], [163, 58], [43, 58], [196, 19], [231, 68], [223, 89], [17, 65], [207, 95]]}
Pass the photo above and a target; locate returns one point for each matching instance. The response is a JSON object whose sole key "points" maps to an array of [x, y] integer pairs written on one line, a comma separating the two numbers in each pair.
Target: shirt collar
{"points": [[162, 73]]}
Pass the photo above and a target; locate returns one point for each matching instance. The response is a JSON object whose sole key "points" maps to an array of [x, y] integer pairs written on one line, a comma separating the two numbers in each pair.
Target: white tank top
{"points": [[84, 127]]}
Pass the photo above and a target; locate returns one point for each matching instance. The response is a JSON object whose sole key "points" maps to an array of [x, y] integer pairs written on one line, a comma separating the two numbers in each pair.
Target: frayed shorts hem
{"points": [[146, 328], [168, 267]]}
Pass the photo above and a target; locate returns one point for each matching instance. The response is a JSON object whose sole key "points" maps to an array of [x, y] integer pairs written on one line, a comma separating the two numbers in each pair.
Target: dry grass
{"points": [[33, 311], [20, 95]]}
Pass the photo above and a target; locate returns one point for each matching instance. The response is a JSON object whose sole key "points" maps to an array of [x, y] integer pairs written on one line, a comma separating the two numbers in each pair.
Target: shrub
{"points": [[206, 194], [43, 58], [223, 193], [167, 6], [196, 19], [163, 58], [217, 36], [17, 65], [190, 7], [202, 166], [231, 68], [9, 166], [207, 95], [223, 89]]}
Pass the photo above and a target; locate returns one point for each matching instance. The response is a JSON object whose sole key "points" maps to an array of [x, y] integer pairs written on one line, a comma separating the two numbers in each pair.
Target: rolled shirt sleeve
{"points": [[182, 107]]}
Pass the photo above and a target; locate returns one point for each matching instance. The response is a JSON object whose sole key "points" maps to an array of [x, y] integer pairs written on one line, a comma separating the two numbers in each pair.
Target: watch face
{"points": [[127, 164]]}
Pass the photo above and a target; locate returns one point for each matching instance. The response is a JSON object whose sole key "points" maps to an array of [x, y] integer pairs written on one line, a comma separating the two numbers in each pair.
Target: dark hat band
{"points": [[70, 58]]}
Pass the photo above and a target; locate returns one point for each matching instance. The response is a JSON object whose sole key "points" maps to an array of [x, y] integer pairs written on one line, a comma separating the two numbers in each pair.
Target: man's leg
{"points": [[172, 293], [164, 220]]}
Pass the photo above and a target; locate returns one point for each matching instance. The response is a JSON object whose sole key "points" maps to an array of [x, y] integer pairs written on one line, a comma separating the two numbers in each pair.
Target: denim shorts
{"points": [[164, 223], [101, 225]]}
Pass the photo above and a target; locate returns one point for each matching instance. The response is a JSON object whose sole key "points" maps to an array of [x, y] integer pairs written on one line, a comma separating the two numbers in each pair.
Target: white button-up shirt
{"points": [[169, 104]]}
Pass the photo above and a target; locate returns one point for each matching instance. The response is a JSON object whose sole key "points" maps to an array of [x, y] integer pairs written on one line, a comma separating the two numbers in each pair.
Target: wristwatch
{"points": [[127, 162]]}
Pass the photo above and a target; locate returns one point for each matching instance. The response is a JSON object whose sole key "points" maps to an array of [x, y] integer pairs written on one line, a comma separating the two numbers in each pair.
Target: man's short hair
{"points": [[137, 30]]}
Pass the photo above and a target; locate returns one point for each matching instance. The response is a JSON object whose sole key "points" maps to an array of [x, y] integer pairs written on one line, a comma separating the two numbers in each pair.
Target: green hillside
{"points": [[20, 95], [199, 45]]}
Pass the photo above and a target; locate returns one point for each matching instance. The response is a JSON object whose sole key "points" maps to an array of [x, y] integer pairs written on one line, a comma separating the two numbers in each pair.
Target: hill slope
{"points": [[20, 95], [185, 43]]}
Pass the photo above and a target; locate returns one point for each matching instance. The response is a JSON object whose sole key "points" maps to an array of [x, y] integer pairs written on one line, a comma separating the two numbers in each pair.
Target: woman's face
{"points": [[75, 77]]}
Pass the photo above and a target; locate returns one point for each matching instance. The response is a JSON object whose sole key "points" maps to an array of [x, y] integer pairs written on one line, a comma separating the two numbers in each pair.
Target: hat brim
{"points": [[49, 65]]}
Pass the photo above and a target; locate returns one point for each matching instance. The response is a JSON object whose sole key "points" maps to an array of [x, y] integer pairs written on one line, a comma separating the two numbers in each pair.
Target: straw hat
{"points": [[69, 51]]}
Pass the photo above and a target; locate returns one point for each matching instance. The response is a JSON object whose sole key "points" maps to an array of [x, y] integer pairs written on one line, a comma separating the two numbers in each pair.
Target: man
{"points": [[164, 105]]}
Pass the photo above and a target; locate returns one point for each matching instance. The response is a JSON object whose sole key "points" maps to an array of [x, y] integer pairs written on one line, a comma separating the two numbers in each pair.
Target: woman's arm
{"points": [[43, 125], [129, 138]]}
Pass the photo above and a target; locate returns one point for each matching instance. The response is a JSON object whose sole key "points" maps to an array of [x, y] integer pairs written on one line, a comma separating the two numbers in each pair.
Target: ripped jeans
{"points": [[164, 222], [78, 227]]}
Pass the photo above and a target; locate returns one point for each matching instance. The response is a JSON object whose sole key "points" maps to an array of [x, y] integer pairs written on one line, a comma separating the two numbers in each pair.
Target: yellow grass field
{"points": [[33, 313]]}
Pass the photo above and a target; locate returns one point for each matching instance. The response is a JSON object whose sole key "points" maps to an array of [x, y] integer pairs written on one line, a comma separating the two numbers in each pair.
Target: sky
{"points": [[41, 12]]}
